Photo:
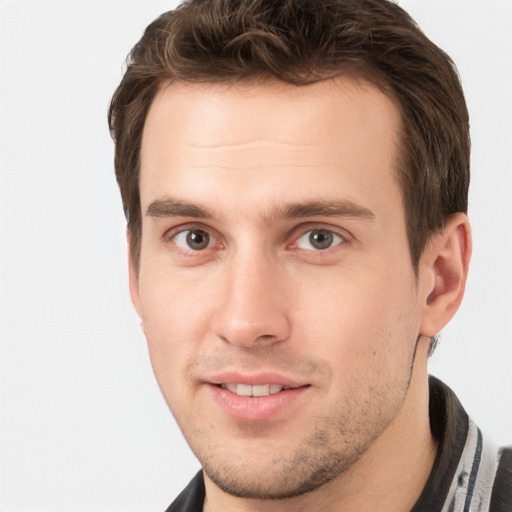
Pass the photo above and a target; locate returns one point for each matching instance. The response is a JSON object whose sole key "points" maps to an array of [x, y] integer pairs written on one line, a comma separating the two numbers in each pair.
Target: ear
{"points": [[443, 274], [133, 276]]}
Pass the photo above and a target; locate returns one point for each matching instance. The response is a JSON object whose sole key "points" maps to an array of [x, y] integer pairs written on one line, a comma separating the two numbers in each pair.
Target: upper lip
{"points": [[256, 379]]}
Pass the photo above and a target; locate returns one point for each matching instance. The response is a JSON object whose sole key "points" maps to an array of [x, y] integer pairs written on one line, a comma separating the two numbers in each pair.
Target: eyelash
{"points": [[171, 235], [333, 239], [340, 238]]}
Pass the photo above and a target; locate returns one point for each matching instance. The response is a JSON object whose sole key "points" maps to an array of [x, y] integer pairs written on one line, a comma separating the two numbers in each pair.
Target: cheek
{"points": [[175, 321], [359, 322]]}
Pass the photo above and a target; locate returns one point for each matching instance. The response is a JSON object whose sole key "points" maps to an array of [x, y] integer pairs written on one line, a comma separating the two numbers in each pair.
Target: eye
{"points": [[319, 240], [193, 239]]}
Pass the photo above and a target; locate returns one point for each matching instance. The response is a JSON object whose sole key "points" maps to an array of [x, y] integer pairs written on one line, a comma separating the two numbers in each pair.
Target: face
{"points": [[275, 285]]}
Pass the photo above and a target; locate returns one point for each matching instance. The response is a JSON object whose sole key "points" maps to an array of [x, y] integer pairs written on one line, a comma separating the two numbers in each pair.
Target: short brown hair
{"points": [[301, 42]]}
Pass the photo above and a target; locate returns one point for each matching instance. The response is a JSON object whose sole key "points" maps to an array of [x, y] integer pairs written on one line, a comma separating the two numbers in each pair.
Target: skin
{"points": [[349, 323]]}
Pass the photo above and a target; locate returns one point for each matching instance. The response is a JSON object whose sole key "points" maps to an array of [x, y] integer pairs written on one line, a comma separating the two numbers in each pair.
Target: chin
{"points": [[279, 478]]}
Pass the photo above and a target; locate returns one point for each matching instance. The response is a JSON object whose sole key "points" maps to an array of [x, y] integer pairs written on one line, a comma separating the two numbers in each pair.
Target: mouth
{"points": [[257, 397], [260, 390], [258, 402]]}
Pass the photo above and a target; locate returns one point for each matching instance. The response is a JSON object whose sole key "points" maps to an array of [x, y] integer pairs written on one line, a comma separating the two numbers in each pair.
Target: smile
{"points": [[257, 402], [258, 390]]}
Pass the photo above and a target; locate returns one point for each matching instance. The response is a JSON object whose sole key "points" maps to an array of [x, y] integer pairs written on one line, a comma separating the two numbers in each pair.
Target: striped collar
{"points": [[464, 470]]}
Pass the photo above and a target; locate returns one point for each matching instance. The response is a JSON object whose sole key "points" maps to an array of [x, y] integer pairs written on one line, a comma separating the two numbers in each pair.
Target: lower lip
{"points": [[260, 408]]}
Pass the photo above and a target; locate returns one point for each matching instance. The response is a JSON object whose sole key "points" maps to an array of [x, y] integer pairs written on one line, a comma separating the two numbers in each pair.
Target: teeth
{"points": [[263, 390], [244, 390], [248, 390], [231, 387]]}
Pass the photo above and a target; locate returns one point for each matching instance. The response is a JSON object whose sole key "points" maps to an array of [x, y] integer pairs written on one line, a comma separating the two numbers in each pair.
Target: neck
{"points": [[389, 477]]}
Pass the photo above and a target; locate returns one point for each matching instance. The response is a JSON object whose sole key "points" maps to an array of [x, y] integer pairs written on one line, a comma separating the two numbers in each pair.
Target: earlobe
{"points": [[444, 271], [133, 277]]}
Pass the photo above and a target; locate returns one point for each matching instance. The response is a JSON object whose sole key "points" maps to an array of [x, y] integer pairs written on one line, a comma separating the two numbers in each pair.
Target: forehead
{"points": [[250, 137], [183, 109]]}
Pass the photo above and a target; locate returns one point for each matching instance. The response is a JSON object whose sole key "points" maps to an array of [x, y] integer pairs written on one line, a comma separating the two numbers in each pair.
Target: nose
{"points": [[252, 307]]}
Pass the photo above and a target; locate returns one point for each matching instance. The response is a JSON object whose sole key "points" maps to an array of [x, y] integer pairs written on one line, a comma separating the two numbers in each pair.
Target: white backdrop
{"points": [[82, 424]]}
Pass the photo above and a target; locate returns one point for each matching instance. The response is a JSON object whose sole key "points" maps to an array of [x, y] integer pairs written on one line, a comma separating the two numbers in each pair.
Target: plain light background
{"points": [[82, 424]]}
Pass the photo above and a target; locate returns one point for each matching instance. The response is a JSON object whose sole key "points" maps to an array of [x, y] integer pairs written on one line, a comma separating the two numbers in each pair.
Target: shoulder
{"points": [[191, 498], [469, 473], [501, 497]]}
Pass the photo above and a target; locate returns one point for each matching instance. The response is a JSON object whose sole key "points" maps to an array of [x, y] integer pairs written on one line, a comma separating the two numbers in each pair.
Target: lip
{"points": [[256, 409], [255, 379]]}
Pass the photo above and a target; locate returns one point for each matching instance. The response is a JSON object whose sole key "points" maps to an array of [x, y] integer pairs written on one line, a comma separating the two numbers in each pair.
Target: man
{"points": [[295, 177]]}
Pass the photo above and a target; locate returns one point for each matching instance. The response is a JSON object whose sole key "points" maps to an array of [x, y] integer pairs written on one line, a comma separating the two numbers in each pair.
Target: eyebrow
{"points": [[170, 207], [342, 208]]}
